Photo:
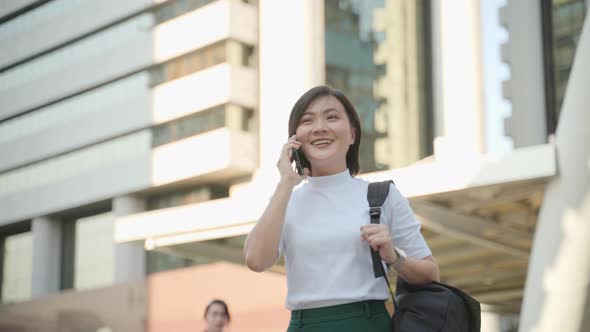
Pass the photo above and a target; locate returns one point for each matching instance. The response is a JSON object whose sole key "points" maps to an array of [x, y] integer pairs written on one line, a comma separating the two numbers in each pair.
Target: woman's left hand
{"points": [[377, 236]]}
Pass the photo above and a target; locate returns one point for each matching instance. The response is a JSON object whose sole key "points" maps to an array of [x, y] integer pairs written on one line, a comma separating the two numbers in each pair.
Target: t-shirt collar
{"points": [[329, 180]]}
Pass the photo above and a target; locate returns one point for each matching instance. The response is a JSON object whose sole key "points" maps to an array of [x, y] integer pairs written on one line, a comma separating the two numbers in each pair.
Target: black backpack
{"points": [[424, 308]]}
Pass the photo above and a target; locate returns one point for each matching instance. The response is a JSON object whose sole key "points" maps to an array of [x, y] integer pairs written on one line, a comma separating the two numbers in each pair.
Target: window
{"points": [[187, 196], [202, 122], [228, 249], [87, 252], [228, 51], [563, 20], [194, 124], [175, 8], [94, 251], [17, 265], [158, 261]]}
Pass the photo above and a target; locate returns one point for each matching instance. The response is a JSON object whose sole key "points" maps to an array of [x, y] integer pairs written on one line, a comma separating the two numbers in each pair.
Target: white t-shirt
{"points": [[327, 262]]}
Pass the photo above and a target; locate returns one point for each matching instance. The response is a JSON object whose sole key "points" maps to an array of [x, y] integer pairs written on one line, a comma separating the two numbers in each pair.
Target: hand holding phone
{"points": [[298, 166]]}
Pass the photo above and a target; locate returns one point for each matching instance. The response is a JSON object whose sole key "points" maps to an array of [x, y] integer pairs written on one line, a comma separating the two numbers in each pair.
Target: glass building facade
{"points": [[377, 53], [562, 25]]}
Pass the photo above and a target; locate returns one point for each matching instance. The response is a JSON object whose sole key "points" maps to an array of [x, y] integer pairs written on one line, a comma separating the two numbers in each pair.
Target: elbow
{"points": [[426, 279], [432, 272], [430, 275], [255, 265], [420, 280], [435, 272], [436, 275], [257, 259]]}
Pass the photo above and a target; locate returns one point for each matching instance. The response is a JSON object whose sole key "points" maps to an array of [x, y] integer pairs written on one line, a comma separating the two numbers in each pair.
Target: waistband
{"points": [[368, 308]]}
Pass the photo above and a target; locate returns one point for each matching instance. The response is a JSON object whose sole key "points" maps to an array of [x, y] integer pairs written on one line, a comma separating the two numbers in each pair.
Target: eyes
{"points": [[306, 119]]}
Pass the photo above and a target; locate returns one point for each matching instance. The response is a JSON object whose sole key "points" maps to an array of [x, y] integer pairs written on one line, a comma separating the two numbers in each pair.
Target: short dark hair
{"points": [[221, 303], [352, 156]]}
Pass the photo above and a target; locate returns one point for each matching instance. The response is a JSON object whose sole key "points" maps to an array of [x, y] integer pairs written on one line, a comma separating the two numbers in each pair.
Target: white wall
{"points": [[57, 22], [117, 51], [525, 88], [75, 122]]}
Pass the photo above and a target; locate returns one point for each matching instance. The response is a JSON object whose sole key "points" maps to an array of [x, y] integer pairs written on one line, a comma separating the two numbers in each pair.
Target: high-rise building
{"points": [[138, 143]]}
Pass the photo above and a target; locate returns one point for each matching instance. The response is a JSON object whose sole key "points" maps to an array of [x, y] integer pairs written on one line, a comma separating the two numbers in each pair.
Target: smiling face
{"points": [[326, 135]]}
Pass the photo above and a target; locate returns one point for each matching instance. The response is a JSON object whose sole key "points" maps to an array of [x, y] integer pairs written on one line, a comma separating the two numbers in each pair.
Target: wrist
{"points": [[400, 258], [391, 258]]}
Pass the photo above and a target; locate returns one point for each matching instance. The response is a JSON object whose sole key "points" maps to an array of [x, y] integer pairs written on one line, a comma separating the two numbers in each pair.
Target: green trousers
{"points": [[351, 317]]}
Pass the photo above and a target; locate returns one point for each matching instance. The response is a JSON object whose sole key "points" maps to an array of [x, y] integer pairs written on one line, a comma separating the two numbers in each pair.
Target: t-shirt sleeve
{"points": [[403, 226]]}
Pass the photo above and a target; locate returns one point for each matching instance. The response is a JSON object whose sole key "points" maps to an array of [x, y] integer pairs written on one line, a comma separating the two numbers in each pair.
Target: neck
{"points": [[320, 169]]}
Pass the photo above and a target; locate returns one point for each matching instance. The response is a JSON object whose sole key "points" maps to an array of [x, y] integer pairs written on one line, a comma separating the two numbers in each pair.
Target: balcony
{"points": [[217, 85], [219, 154], [224, 19]]}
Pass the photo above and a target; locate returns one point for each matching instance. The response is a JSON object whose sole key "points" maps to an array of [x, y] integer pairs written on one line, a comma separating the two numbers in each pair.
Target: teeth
{"points": [[323, 141]]}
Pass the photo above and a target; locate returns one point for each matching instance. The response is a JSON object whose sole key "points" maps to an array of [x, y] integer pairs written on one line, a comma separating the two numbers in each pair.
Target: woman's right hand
{"points": [[285, 163]]}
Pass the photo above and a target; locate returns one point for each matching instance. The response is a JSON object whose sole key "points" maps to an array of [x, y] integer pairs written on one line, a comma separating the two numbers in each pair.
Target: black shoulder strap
{"points": [[378, 192], [376, 195]]}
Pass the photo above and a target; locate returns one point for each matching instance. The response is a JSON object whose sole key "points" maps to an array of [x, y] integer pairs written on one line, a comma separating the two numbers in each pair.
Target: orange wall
{"points": [[177, 299]]}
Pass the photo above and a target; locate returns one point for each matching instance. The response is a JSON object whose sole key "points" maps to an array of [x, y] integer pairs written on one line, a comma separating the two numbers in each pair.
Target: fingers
{"points": [[285, 162], [292, 143], [376, 235], [370, 229], [378, 240]]}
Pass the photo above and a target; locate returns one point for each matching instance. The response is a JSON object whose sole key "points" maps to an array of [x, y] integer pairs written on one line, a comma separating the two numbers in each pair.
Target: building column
{"points": [[525, 88], [457, 78], [490, 321], [46, 256], [292, 61], [130, 257], [557, 292]]}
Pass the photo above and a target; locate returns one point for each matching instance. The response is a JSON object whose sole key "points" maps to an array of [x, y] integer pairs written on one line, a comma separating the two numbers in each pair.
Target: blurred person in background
{"points": [[217, 316], [322, 227]]}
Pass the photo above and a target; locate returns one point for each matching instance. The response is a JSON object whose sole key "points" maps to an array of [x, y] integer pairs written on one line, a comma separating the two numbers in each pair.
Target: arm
{"points": [[402, 230], [414, 271], [419, 271], [261, 249]]}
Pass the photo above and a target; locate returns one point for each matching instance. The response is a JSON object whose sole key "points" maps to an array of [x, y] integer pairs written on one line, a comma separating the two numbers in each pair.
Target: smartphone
{"points": [[298, 166]]}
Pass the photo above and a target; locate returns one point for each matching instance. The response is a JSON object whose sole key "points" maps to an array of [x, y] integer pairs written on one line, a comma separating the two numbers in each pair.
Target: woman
{"points": [[322, 227], [216, 316]]}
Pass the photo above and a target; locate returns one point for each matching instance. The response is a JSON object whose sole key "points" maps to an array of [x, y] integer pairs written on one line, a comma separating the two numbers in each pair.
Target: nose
{"points": [[319, 126]]}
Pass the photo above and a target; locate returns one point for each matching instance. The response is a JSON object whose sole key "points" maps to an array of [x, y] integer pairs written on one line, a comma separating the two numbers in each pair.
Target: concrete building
{"points": [[145, 139], [549, 53]]}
